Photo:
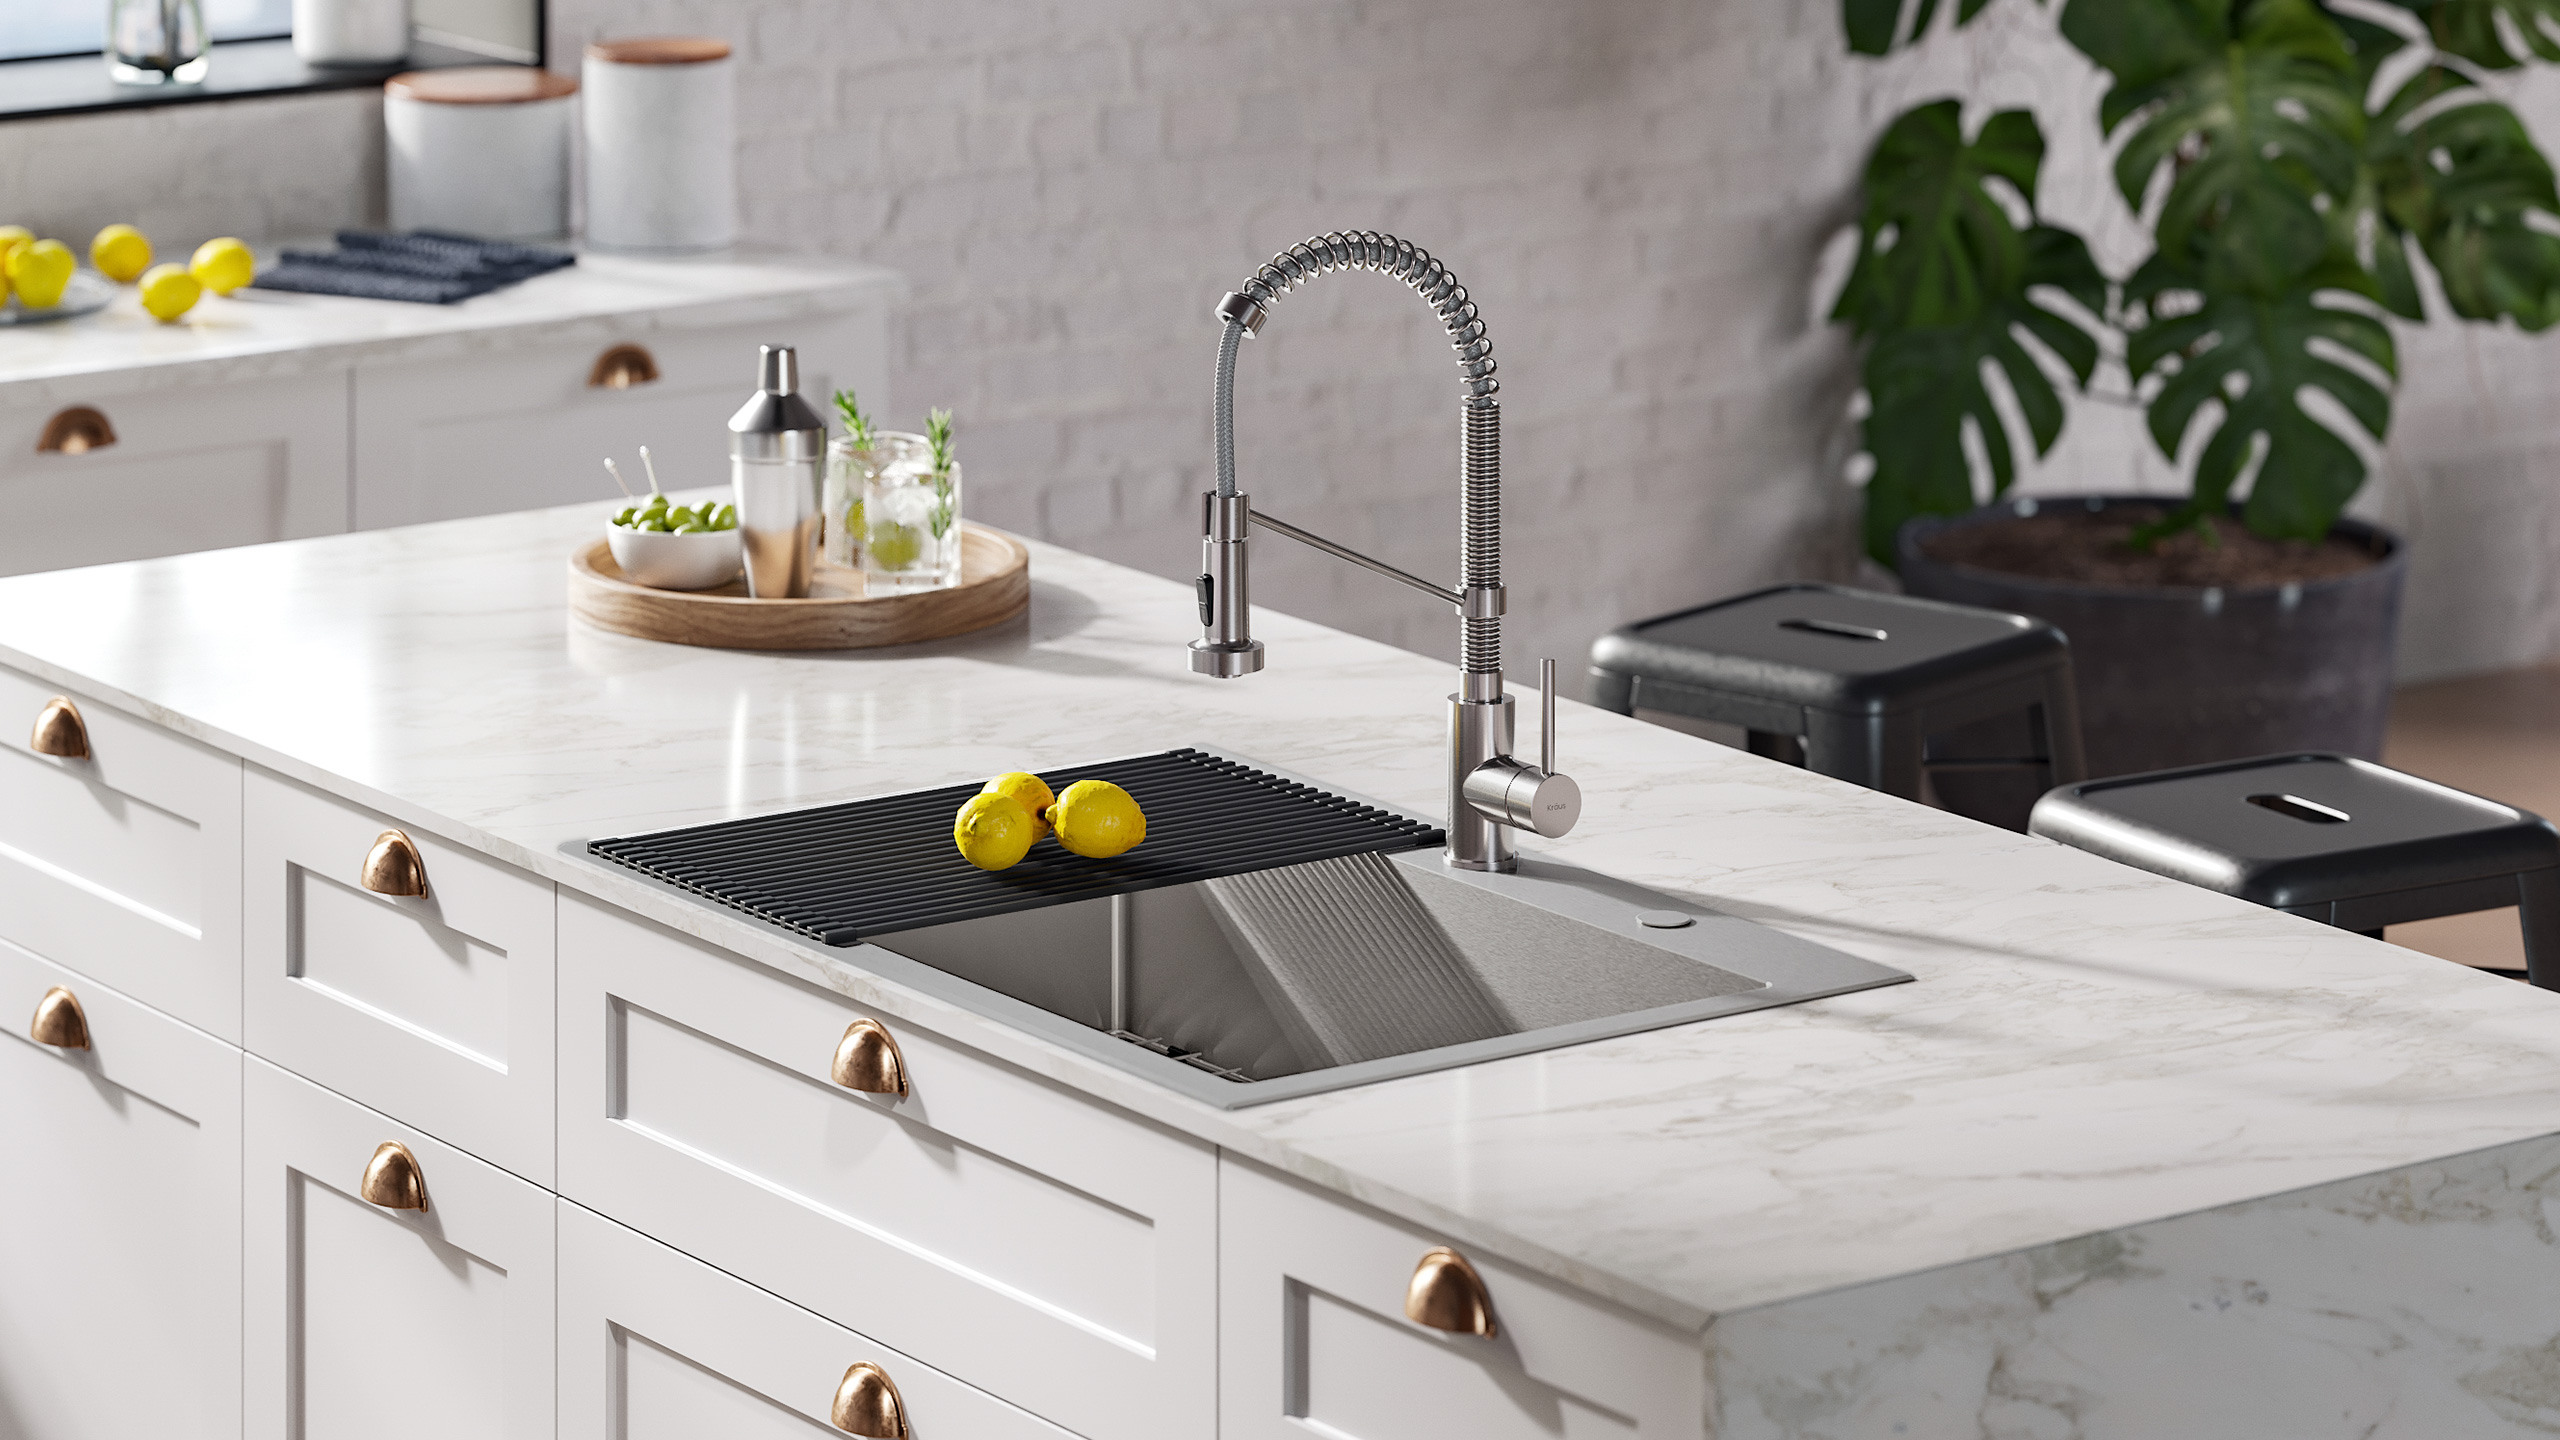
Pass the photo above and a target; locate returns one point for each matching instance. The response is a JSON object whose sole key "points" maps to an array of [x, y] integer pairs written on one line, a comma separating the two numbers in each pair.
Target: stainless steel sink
{"points": [[1313, 977]]}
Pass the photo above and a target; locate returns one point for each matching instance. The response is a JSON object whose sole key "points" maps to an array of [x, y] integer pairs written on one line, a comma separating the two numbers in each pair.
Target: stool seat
{"points": [[1830, 647], [2330, 837], [1857, 685]]}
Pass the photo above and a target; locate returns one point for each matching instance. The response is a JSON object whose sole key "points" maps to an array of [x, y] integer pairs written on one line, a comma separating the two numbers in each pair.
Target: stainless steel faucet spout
{"points": [[1490, 793]]}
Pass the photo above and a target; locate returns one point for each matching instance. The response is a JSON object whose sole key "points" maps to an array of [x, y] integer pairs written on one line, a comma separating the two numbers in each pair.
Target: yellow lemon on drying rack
{"points": [[993, 831], [1097, 819], [1026, 790]]}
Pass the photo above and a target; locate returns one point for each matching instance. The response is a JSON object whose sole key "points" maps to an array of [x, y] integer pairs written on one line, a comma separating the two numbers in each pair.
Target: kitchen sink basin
{"points": [[1312, 977]]}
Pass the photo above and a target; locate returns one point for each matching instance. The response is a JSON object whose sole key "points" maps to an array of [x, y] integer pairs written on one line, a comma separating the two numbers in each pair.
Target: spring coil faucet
{"points": [[1490, 793]]}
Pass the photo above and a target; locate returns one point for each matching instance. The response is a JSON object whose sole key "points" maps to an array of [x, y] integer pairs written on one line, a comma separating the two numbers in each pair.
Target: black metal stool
{"points": [[2339, 840], [1850, 683]]}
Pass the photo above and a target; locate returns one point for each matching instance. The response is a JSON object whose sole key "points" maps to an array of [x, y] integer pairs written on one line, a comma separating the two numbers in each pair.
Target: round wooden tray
{"points": [[995, 586]]}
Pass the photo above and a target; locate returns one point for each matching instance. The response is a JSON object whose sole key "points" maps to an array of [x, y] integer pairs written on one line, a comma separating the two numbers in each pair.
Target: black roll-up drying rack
{"points": [[838, 873]]}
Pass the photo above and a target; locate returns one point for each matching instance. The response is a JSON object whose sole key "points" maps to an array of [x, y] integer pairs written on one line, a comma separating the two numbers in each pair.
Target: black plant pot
{"points": [[2179, 675]]}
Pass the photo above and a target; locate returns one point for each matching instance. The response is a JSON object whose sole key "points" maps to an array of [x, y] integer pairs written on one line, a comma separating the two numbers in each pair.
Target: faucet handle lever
{"points": [[1547, 716]]}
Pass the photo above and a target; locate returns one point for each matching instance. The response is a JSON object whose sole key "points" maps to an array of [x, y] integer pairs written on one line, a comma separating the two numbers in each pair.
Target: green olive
{"points": [[624, 515], [691, 528], [657, 524], [724, 517]]}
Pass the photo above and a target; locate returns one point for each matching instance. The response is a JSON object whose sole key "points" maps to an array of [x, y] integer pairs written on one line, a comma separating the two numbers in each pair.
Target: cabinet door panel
{"points": [[196, 467], [1018, 1237], [655, 1345], [364, 1323], [436, 1009], [119, 1221], [522, 428], [1314, 1338], [123, 865]]}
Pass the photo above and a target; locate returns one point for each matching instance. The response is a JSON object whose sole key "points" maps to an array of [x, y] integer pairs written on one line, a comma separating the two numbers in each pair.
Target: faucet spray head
{"points": [[1226, 647]]}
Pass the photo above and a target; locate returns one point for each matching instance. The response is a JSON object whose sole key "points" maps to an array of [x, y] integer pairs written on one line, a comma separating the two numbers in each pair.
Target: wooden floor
{"points": [[2494, 735]]}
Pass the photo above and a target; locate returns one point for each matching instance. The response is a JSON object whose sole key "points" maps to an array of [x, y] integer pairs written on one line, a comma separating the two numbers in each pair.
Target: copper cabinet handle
{"points": [[867, 1404], [868, 1059], [394, 867], [1446, 1293], [76, 431], [60, 1022], [393, 1180], [622, 367], [60, 731]]}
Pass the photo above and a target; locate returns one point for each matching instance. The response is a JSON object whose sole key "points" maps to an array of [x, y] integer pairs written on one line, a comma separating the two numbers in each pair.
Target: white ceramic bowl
{"points": [[675, 562]]}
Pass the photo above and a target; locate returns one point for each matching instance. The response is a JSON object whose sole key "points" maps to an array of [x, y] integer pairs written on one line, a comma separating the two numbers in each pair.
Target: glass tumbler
{"points": [[910, 518], [156, 42]]}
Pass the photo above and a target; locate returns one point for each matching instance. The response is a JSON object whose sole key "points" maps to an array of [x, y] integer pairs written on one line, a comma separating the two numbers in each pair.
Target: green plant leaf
{"points": [[1941, 288], [2255, 355], [2252, 109], [1871, 24], [2469, 28], [2457, 172]]}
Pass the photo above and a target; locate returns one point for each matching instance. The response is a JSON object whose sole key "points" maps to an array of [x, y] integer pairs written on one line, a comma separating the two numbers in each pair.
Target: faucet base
{"points": [[1226, 660], [1479, 730]]}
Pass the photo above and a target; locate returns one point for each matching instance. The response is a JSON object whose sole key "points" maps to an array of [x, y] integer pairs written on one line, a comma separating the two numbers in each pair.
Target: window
{"points": [[30, 28]]}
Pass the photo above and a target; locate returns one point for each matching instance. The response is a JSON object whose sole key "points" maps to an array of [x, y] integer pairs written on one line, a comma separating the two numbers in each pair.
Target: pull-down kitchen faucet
{"points": [[1489, 792]]}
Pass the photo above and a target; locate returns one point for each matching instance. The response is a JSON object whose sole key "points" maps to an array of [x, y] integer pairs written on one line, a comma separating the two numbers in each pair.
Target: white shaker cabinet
{"points": [[119, 1216], [367, 1322], [1314, 1338], [96, 472]]}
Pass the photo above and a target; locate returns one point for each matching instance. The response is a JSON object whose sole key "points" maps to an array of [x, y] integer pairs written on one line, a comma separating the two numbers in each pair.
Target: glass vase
{"points": [[156, 42]]}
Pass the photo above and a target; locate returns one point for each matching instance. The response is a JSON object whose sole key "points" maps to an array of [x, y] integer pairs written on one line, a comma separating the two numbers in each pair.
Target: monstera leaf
{"points": [[1872, 24], [2455, 170], [2252, 110], [2469, 28], [1941, 288], [2256, 355]]}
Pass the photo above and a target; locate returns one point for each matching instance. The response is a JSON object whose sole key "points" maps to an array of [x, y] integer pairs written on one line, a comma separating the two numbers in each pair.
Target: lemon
{"points": [[120, 252], [1097, 819], [224, 265], [11, 237], [994, 832], [38, 272], [1026, 790], [168, 291]]}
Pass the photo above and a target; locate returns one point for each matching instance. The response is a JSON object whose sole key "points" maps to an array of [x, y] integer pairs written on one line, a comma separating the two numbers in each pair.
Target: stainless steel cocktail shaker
{"points": [[777, 453]]}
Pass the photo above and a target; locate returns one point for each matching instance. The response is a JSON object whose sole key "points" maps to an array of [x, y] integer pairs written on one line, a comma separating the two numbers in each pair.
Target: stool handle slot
{"points": [[2294, 807]]}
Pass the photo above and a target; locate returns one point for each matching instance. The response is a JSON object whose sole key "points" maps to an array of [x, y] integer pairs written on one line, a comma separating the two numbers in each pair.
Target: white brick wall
{"points": [[1637, 192]]}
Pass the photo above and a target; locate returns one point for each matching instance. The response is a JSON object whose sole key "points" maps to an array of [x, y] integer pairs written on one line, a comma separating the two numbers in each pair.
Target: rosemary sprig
{"points": [[937, 438], [857, 426]]}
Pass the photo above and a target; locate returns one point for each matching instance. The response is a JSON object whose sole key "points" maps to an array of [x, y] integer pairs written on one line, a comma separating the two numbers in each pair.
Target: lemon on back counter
{"points": [[1097, 819], [39, 271], [993, 831], [223, 265], [1027, 790], [120, 252], [11, 237], [168, 292]]}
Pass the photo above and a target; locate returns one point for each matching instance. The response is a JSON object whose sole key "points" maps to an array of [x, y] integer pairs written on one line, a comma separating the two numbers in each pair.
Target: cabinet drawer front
{"points": [[522, 428], [120, 1201], [435, 1009], [124, 865], [192, 467], [389, 1324], [1021, 1239], [1314, 1337], [655, 1345]]}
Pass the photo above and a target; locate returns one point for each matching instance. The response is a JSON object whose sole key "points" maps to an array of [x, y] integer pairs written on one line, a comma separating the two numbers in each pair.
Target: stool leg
{"points": [[1613, 691], [2066, 762], [2538, 897], [1881, 752], [1769, 744]]}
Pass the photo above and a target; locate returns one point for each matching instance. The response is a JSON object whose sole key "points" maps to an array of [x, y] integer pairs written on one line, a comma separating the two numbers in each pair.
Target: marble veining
{"points": [[260, 334], [2086, 1049]]}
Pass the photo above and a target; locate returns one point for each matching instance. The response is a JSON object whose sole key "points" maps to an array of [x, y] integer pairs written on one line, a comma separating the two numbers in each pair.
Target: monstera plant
{"points": [[2296, 162]]}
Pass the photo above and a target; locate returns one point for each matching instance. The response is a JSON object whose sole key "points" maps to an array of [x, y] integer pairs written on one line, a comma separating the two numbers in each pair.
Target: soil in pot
{"points": [[2211, 648]]}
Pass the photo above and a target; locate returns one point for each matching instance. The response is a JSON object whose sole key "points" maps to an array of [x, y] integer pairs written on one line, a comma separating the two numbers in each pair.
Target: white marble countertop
{"points": [[262, 333], [2086, 1048]]}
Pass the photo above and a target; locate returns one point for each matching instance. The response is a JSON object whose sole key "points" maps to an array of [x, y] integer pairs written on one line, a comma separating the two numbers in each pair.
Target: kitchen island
{"points": [[2127, 1159]]}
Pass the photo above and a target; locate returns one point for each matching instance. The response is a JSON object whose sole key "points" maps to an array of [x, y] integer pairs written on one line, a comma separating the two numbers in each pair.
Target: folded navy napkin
{"points": [[424, 267]]}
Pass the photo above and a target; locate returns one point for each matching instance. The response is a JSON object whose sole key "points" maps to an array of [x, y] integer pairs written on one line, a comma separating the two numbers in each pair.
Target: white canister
{"points": [[482, 150], [351, 32], [661, 123]]}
